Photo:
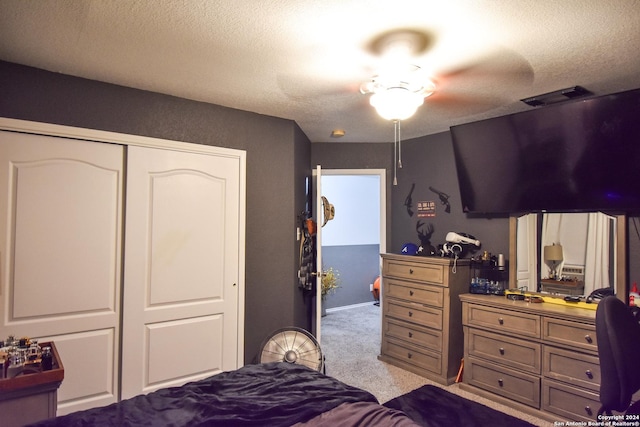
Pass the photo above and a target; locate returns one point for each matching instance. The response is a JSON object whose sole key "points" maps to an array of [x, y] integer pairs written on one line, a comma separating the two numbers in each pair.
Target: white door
{"points": [[318, 217], [527, 256], [60, 243], [181, 268]]}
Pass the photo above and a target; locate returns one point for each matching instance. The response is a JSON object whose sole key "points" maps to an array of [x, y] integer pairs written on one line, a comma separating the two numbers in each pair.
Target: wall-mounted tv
{"points": [[581, 155]]}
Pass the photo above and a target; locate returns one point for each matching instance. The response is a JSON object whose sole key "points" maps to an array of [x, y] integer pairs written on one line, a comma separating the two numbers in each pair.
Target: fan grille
{"points": [[292, 345]]}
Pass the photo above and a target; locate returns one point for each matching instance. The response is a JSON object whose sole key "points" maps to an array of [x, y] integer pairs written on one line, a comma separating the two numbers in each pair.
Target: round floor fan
{"points": [[292, 345]]}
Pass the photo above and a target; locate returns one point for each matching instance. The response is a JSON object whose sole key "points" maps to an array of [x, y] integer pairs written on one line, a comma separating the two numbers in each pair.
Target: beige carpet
{"points": [[351, 344]]}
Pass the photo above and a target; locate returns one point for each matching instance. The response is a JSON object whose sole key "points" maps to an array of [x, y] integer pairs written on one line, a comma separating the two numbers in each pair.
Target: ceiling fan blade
{"points": [[296, 86], [488, 71], [461, 104]]}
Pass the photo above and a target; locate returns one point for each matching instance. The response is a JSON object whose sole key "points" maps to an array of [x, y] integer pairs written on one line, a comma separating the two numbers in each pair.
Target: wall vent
{"points": [[557, 96]]}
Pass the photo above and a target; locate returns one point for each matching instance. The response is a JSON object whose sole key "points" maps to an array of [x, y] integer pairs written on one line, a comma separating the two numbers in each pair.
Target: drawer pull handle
{"points": [[589, 374], [410, 293], [588, 339], [411, 271], [410, 313], [501, 321], [500, 382], [588, 410], [502, 351], [409, 355], [410, 334]]}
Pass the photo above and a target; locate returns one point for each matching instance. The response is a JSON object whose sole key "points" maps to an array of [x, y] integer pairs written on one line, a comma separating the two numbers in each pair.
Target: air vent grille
{"points": [[574, 272], [557, 96]]}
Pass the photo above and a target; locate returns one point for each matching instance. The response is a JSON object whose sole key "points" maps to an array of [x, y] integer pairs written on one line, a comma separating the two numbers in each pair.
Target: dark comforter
{"points": [[273, 394]]}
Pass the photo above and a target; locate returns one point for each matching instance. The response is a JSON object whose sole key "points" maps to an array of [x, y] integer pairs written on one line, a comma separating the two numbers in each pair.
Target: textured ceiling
{"points": [[305, 59]]}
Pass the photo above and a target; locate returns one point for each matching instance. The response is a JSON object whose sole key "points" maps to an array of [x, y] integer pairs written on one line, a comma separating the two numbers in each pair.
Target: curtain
{"points": [[587, 241], [596, 272]]}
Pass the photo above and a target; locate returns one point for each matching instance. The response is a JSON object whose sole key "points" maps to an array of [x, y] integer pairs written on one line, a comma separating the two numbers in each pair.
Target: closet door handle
{"points": [[501, 351], [588, 339], [410, 293], [501, 321], [589, 374]]}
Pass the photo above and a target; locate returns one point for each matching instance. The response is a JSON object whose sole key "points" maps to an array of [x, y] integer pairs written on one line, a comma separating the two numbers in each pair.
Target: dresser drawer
{"points": [[421, 358], [519, 354], [422, 294], [425, 316], [413, 334], [570, 334], [414, 271], [512, 384], [577, 369], [501, 321], [569, 402]]}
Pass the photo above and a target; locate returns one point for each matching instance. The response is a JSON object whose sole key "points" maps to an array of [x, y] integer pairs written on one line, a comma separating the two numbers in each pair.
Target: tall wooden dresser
{"points": [[541, 358], [421, 314]]}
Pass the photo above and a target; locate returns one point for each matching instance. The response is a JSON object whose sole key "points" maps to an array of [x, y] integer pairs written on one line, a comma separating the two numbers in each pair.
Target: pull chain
{"points": [[397, 150], [399, 144]]}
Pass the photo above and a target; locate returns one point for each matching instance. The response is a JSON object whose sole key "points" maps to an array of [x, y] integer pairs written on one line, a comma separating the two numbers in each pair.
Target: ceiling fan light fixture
{"points": [[397, 93], [396, 103]]}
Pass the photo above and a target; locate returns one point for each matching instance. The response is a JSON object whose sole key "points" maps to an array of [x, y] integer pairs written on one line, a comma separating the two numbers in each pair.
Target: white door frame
{"points": [[382, 174]]}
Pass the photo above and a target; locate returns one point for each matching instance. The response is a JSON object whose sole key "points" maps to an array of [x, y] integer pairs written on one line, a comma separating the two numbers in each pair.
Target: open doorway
{"points": [[353, 240]]}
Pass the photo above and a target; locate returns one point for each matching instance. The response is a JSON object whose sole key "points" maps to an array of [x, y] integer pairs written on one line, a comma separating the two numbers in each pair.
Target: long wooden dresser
{"points": [[541, 358], [421, 314]]}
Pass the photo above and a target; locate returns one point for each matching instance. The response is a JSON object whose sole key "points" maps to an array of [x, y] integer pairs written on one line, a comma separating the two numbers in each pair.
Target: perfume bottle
{"points": [[47, 359]]}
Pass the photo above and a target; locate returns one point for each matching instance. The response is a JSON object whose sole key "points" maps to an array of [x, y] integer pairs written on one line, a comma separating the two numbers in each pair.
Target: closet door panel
{"points": [[73, 242], [207, 352], [181, 268], [182, 237], [60, 245], [86, 388]]}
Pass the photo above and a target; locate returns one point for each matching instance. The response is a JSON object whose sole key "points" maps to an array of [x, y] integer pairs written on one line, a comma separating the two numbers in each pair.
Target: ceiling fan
{"points": [[453, 76], [400, 86], [399, 58]]}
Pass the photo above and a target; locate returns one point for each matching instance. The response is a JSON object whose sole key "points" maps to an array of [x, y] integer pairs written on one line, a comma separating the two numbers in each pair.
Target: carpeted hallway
{"points": [[351, 344]]}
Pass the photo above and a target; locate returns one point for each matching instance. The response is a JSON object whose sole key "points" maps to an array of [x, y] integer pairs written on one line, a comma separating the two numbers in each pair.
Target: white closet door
{"points": [[181, 268], [60, 243]]}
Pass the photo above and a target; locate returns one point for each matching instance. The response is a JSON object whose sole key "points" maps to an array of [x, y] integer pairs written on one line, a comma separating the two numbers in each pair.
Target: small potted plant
{"points": [[330, 281]]}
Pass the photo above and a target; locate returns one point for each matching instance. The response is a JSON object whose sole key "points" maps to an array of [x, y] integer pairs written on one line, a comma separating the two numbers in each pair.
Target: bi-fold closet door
{"points": [[128, 257]]}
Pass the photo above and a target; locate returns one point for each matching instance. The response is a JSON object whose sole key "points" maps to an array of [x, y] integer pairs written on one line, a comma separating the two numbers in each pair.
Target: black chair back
{"points": [[618, 338]]}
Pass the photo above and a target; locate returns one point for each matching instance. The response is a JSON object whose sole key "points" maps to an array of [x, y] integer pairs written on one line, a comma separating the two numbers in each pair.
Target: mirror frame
{"points": [[621, 287]]}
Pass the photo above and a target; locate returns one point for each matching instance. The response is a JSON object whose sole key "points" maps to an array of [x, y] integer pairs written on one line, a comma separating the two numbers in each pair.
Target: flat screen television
{"points": [[577, 156]]}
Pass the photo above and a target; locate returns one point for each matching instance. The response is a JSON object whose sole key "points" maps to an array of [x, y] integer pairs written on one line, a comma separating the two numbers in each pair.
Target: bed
{"points": [[268, 394]]}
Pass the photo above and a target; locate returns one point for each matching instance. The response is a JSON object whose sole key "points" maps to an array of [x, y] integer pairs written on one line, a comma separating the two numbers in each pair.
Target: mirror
{"points": [[591, 253]]}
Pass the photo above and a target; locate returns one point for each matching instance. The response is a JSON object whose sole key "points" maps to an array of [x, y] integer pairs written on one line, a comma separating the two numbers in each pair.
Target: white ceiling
{"points": [[304, 60]]}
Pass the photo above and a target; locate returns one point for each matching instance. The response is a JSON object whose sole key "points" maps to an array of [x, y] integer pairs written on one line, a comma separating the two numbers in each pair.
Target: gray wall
{"points": [[277, 162], [359, 265], [427, 161]]}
